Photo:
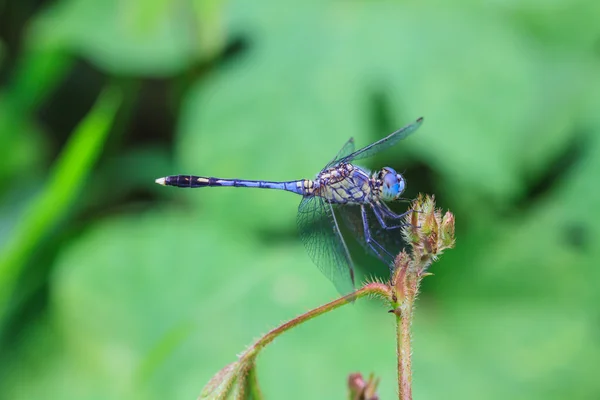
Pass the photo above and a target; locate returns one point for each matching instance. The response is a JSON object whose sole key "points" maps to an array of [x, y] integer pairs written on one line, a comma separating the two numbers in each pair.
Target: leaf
{"points": [[562, 25], [71, 169], [20, 143], [285, 110], [35, 75], [151, 38], [221, 384], [510, 313], [542, 252], [197, 319], [129, 284]]}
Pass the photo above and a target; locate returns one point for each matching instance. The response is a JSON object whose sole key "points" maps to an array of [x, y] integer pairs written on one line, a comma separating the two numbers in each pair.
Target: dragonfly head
{"points": [[392, 184]]}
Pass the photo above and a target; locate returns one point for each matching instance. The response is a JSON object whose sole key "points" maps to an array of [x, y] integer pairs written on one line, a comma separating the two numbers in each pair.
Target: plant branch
{"points": [[428, 234], [403, 337], [370, 289]]}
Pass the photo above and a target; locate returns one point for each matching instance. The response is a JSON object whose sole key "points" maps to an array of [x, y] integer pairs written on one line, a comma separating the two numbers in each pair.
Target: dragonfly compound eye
{"points": [[392, 184]]}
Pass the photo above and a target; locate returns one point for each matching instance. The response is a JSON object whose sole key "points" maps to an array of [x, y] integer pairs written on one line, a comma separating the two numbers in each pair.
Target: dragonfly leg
{"points": [[372, 243], [389, 213], [378, 213]]}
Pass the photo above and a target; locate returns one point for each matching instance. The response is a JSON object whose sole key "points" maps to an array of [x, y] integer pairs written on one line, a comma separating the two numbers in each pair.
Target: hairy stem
{"points": [[403, 337], [370, 289]]}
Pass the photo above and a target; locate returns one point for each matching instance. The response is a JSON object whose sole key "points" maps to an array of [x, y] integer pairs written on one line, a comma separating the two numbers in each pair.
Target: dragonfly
{"points": [[341, 193]]}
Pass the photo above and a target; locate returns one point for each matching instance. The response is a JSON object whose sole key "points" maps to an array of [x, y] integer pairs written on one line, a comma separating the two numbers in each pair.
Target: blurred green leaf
{"points": [[565, 24], [68, 174], [153, 305], [545, 251], [103, 283], [132, 283], [303, 90], [504, 348], [34, 77], [152, 38], [21, 142]]}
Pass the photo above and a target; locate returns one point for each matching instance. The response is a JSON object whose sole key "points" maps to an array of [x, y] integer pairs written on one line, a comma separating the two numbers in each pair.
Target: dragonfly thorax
{"points": [[343, 184], [388, 184], [335, 174], [346, 183]]}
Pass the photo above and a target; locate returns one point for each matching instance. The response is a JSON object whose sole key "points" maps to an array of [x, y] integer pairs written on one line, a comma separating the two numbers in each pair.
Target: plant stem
{"points": [[370, 289], [403, 337]]}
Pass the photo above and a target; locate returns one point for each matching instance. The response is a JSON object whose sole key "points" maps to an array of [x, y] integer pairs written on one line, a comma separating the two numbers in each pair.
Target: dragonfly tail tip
{"points": [[160, 181]]}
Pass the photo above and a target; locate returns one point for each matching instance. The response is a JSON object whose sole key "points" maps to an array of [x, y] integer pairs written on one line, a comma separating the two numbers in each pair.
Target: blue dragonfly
{"points": [[341, 191]]}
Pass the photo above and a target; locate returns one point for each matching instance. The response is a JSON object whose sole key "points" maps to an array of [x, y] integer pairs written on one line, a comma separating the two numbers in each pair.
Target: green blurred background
{"points": [[112, 287]]}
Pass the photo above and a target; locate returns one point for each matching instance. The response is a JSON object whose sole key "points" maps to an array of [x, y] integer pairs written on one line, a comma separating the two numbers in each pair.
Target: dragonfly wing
{"points": [[320, 233], [390, 241], [345, 151], [384, 143]]}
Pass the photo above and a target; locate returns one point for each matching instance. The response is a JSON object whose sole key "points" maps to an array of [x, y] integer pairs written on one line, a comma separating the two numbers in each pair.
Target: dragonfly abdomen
{"points": [[302, 187]]}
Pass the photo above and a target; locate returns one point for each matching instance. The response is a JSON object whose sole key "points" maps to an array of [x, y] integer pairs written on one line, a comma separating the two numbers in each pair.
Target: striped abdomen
{"points": [[302, 187]]}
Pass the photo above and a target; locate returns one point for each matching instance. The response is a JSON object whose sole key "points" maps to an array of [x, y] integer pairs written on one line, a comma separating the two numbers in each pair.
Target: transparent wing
{"points": [[345, 151], [384, 143], [388, 242], [324, 243]]}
